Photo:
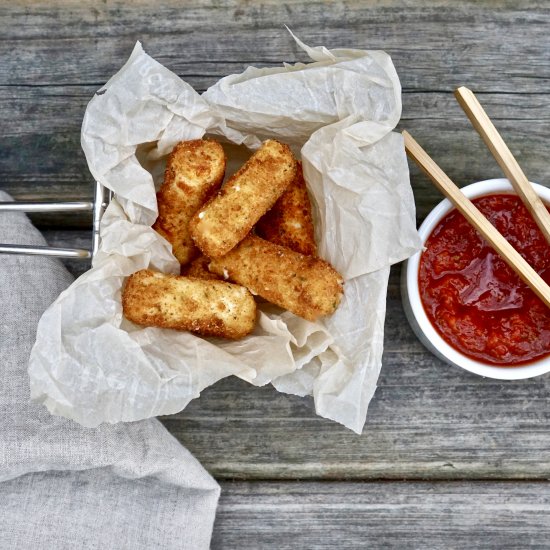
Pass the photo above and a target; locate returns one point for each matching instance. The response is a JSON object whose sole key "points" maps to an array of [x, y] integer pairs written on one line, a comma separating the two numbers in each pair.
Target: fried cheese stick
{"points": [[209, 308], [308, 287], [289, 223], [198, 269], [194, 172], [228, 217]]}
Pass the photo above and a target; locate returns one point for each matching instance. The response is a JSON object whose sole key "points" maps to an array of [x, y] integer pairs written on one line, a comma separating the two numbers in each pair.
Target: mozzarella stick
{"points": [[194, 172], [306, 286], [198, 269], [290, 223], [209, 308], [228, 217]]}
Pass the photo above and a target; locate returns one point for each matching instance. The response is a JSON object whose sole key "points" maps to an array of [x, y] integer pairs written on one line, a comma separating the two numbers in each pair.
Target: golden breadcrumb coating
{"points": [[209, 308], [194, 172], [306, 286], [229, 216], [198, 269], [289, 223]]}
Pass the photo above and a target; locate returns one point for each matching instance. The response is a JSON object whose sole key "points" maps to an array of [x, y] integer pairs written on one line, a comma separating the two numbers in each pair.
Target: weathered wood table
{"points": [[447, 459]]}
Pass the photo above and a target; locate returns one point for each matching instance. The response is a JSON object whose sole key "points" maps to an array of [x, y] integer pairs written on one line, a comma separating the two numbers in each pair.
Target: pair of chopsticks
{"points": [[482, 123]]}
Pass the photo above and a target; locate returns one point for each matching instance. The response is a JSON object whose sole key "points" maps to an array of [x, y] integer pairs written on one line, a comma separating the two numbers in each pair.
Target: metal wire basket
{"points": [[97, 207]]}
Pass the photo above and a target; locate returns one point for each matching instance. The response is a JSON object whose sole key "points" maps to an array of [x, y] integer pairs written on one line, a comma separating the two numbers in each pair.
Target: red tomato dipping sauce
{"points": [[473, 299]]}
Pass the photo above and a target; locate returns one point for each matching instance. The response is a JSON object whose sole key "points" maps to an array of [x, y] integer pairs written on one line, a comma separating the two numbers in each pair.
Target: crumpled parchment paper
{"points": [[337, 113]]}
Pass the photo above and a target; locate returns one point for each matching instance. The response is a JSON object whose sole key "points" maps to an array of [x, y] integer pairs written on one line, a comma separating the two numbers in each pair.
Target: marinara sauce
{"points": [[474, 300]]}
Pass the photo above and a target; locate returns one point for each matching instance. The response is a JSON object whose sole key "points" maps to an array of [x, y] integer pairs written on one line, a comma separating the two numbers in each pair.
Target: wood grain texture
{"points": [[502, 154], [287, 516], [30, 168], [427, 420], [434, 46], [54, 57]]}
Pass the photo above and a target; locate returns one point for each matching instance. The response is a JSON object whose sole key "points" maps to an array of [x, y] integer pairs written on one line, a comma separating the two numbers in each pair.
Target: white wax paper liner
{"points": [[337, 113]]}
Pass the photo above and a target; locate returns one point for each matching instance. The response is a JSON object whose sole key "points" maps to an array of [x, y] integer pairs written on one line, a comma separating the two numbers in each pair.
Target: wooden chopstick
{"points": [[508, 253], [486, 129]]}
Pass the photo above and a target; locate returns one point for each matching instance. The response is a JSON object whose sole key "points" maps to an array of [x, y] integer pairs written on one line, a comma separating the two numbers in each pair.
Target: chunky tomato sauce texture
{"points": [[471, 296]]}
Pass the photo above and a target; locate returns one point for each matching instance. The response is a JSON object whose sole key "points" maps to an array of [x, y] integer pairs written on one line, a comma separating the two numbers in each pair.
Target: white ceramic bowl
{"points": [[415, 311]]}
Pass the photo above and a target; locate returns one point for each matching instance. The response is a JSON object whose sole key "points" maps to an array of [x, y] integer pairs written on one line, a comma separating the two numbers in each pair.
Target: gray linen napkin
{"points": [[64, 486]]}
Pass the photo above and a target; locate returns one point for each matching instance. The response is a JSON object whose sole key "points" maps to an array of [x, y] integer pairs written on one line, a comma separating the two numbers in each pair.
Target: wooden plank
{"points": [[31, 110], [38, 166], [427, 420], [55, 57], [287, 516], [437, 46]]}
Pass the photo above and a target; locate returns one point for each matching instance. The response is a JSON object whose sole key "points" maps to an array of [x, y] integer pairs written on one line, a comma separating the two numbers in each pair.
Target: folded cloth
{"points": [[64, 486]]}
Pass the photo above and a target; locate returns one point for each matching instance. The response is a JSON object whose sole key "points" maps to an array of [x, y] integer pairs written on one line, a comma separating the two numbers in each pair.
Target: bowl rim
{"points": [[415, 310]]}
